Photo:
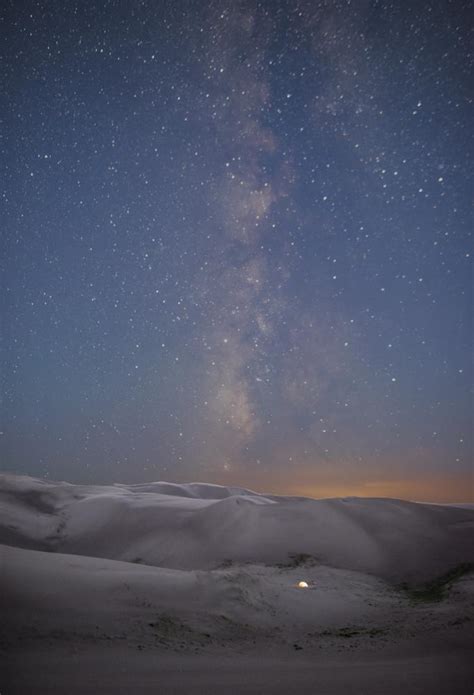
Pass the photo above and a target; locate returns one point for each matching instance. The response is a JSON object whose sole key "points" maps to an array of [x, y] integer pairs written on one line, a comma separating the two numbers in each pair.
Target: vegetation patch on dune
{"points": [[299, 560], [355, 631], [437, 589]]}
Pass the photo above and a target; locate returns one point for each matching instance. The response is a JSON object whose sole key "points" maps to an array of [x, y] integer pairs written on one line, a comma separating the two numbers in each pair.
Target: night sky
{"points": [[237, 243]]}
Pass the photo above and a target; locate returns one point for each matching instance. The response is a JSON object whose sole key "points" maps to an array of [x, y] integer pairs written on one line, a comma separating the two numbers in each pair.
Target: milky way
{"points": [[237, 244]]}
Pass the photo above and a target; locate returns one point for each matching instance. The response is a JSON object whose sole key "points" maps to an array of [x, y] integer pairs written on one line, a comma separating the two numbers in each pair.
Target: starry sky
{"points": [[237, 243]]}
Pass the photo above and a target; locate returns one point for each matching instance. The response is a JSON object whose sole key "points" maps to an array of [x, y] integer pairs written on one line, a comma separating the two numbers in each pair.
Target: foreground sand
{"points": [[111, 670], [175, 620]]}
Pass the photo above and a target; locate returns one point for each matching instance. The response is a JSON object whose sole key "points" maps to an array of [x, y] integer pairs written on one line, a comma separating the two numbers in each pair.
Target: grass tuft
{"points": [[299, 560], [437, 589]]}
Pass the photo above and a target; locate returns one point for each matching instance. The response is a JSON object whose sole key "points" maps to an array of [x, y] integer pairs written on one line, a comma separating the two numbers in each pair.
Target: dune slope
{"points": [[119, 589], [199, 526]]}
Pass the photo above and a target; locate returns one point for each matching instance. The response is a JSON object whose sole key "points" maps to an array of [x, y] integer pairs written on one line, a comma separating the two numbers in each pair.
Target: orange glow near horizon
{"points": [[442, 489]]}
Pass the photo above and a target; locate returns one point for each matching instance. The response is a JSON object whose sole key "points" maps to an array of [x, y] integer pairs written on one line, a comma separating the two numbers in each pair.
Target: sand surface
{"points": [[122, 672], [194, 589]]}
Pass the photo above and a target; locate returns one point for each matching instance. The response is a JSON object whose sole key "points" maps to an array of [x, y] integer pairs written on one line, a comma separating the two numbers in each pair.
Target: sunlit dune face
{"points": [[303, 585]]}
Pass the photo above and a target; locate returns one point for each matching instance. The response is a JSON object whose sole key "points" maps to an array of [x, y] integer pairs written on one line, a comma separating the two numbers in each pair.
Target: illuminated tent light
{"points": [[303, 585]]}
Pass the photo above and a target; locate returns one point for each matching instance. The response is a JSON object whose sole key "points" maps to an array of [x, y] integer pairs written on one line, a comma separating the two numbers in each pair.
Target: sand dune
{"points": [[195, 574], [199, 526]]}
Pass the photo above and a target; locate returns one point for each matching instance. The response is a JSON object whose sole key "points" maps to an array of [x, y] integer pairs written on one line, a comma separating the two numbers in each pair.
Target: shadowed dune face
{"points": [[201, 526], [37, 500]]}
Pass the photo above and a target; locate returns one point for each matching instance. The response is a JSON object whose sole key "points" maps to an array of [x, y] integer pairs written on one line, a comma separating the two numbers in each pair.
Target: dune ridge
{"points": [[200, 526]]}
